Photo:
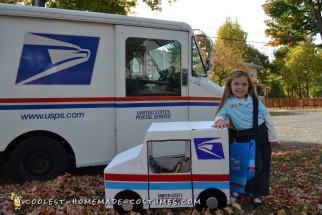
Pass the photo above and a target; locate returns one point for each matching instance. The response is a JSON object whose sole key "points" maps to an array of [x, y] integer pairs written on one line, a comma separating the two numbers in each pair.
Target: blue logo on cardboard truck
{"points": [[57, 59], [209, 148]]}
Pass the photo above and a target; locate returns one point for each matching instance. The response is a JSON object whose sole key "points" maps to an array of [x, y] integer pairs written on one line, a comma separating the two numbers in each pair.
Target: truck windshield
{"points": [[198, 67], [202, 54]]}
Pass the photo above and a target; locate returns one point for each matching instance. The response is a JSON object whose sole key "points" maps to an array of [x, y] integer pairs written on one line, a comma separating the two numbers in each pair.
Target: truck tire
{"points": [[123, 205], [38, 158], [211, 199]]}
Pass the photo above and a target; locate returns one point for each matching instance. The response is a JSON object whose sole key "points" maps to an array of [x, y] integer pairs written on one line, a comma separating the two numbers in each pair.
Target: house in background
{"points": [[253, 70]]}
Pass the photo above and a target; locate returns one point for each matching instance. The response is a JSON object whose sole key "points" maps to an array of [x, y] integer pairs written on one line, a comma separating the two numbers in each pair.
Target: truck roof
{"points": [[175, 130], [86, 16]]}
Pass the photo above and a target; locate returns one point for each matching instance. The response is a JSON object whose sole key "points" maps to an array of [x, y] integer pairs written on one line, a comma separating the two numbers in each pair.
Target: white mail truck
{"points": [[77, 87], [150, 175]]}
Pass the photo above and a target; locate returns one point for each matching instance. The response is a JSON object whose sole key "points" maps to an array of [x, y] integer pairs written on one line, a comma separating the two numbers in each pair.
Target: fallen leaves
{"points": [[296, 188], [66, 194], [296, 183]]}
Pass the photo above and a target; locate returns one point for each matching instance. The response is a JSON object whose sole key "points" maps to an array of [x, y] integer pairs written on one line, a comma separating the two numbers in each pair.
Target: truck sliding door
{"points": [[149, 63]]}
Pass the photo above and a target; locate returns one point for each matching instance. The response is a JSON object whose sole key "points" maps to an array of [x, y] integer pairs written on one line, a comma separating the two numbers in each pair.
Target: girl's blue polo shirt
{"points": [[241, 113]]}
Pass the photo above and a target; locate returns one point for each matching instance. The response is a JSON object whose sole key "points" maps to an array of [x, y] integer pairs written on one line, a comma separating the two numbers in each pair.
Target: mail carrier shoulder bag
{"points": [[242, 157]]}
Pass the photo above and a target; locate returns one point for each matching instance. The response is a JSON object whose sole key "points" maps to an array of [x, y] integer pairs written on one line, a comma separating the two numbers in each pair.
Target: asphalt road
{"points": [[297, 129]]}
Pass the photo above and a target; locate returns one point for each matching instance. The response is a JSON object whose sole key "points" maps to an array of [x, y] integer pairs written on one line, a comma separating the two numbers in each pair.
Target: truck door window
{"points": [[153, 67], [171, 156], [198, 67]]}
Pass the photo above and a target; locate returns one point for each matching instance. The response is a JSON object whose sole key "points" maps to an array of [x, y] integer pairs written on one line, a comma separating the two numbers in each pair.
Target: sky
{"points": [[209, 15]]}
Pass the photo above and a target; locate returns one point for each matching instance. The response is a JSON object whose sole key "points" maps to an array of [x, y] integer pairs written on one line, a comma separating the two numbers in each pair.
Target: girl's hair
{"points": [[227, 91]]}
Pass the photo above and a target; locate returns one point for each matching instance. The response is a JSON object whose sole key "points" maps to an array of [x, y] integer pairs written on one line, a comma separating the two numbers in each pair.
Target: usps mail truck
{"points": [[77, 87], [151, 176]]}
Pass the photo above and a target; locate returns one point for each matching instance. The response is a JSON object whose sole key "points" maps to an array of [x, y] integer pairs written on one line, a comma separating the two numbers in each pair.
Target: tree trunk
{"points": [[39, 3], [316, 10], [299, 88], [307, 89]]}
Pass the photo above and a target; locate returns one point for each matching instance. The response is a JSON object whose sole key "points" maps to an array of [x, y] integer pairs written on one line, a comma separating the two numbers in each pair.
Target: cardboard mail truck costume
{"points": [[179, 164]]}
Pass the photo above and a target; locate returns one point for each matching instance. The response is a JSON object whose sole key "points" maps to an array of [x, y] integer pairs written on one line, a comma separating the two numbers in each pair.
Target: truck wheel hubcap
{"points": [[38, 163], [212, 202], [126, 205]]}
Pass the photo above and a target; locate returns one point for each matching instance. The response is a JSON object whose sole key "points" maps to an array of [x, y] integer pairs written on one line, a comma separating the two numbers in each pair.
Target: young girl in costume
{"points": [[237, 104]]}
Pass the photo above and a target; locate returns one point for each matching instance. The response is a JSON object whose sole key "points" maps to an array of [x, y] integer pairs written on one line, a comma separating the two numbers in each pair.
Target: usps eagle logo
{"points": [[235, 163], [57, 59], [209, 148]]}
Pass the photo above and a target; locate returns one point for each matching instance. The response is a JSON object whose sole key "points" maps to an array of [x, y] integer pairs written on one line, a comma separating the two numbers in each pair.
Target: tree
{"points": [[302, 67], [231, 50], [225, 60], [276, 90], [292, 20], [25, 2], [228, 49], [122, 7], [316, 90], [252, 55], [231, 34], [156, 4]]}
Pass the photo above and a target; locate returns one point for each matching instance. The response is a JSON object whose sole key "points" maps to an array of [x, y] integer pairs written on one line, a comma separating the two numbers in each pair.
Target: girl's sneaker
{"points": [[233, 197], [257, 202]]}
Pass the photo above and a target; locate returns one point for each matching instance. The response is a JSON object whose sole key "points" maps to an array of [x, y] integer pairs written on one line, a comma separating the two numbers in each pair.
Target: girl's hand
{"points": [[220, 124], [273, 144]]}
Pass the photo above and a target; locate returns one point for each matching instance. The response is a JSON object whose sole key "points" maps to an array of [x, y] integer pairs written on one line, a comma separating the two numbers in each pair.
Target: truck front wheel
{"points": [[128, 200], [211, 199], [38, 158]]}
